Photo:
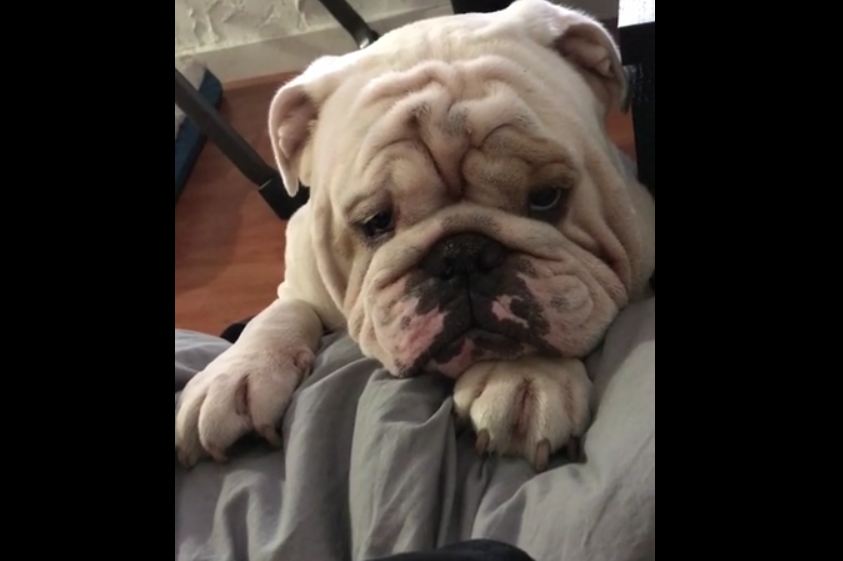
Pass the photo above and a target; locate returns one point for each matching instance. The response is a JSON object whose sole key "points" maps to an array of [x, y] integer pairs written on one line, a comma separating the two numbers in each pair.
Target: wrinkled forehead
{"points": [[439, 122]]}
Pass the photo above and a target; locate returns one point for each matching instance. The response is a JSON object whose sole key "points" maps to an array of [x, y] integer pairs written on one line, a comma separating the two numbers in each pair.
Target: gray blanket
{"points": [[373, 465]]}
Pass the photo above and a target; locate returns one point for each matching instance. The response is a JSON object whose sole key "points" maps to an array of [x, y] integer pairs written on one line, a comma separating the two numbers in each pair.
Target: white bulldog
{"points": [[468, 216]]}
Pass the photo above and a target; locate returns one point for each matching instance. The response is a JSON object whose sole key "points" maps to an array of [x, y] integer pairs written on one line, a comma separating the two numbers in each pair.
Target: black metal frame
{"points": [[248, 161], [638, 47]]}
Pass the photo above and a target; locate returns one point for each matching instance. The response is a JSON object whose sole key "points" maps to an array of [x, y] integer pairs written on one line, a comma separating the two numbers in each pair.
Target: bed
{"points": [[373, 465]]}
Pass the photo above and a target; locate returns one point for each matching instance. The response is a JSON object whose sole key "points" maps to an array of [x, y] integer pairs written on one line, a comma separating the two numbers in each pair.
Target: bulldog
{"points": [[468, 217]]}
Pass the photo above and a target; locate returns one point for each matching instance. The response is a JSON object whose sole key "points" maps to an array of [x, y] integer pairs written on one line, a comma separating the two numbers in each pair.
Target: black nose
{"points": [[463, 254]]}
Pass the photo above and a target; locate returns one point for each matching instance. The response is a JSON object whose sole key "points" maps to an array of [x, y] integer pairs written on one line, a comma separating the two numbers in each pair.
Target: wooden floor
{"points": [[229, 244]]}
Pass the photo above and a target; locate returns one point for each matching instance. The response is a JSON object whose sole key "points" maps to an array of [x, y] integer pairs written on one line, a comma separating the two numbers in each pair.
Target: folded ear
{"points": [[294, 112], [583, 42]]}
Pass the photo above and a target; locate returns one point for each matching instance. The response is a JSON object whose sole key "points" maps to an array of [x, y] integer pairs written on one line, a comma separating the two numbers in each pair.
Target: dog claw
{"points": [[218, 455], [574, 449], [185, 459], [542, 455], [271, 436], [482, 443]]}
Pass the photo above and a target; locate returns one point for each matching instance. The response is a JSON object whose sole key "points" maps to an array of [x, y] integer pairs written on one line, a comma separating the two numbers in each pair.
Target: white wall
{"points": [[241, 39]]}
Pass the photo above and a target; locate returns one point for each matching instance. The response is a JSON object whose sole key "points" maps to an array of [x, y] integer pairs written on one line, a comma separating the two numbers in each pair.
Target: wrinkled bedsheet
{"points": [[373, 465]]}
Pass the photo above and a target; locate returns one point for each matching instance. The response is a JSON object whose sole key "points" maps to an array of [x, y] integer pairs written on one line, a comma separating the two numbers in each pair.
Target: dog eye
{"points": [[378, 225], [545, 199]]}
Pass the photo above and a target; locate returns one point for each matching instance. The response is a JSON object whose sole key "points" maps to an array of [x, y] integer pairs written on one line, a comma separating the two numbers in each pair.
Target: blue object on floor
{"points": [[190, 139]]}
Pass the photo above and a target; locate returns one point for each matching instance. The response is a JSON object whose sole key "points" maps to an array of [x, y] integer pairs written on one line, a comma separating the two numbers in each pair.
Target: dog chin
{"points": [[475, 346], [463, 351]]}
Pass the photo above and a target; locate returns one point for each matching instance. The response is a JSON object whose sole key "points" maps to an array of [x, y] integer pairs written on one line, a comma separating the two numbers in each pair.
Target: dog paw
{"points": [[529, 407], [239, 392]]}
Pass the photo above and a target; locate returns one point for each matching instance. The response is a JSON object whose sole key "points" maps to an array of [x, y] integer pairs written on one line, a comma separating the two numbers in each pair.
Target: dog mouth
{"points": [[464, 339], [471, 333], [454, 357], [488, 316], [481, 340]]}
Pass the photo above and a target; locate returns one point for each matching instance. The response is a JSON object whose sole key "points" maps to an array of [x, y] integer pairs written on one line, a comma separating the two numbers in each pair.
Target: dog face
{"points": [[466, 203]]}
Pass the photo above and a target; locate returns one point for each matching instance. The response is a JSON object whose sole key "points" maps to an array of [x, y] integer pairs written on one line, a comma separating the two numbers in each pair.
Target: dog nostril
{"points": [[490, 257], [463, 254]]}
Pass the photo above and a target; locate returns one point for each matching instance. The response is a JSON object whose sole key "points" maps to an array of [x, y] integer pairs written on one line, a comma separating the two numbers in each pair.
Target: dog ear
{"points": [[583, 42], [294, 111]]}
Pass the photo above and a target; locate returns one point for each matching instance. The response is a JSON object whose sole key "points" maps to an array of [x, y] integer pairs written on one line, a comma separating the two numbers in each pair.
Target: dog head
{"points": [[467, 203]]}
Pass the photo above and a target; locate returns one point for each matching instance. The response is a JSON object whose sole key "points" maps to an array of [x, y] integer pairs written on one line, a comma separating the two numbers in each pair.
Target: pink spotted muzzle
{"points": [[467, 301]]}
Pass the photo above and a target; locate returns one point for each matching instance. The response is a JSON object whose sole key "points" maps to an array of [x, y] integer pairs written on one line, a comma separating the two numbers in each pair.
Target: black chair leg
{"points": [[478, 6], [247, 160]]}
